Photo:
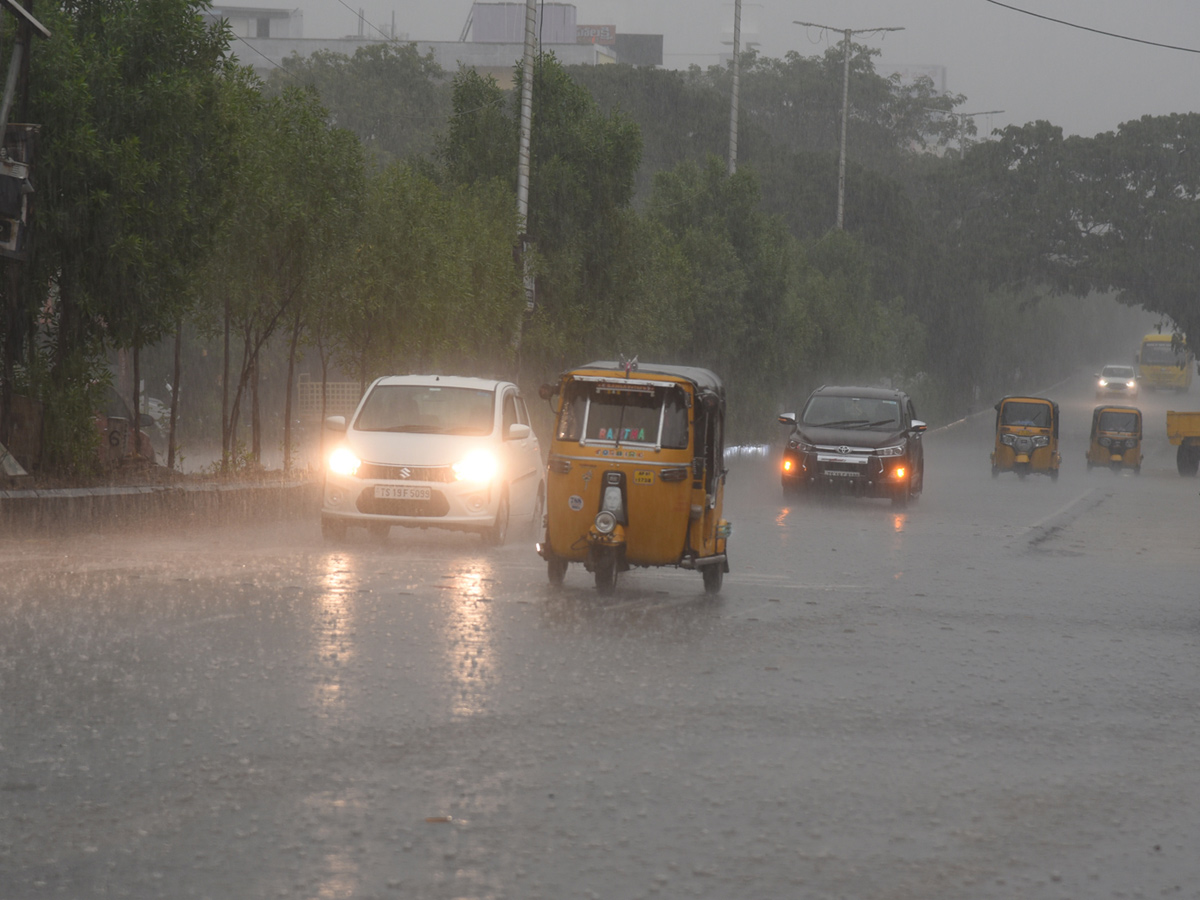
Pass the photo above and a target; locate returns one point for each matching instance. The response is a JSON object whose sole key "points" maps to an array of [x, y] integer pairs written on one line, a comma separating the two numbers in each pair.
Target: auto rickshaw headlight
{"points": [[1041, 440], [1008, 439], [605, 521], [1131, 443], [1105, 441]]}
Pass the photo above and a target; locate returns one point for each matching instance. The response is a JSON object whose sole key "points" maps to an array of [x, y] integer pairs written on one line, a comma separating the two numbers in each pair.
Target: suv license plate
{"points": [[401, 492], [837, 473]]}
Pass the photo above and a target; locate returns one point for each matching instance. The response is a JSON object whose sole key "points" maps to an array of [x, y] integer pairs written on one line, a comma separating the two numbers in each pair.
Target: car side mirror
{"points": [[517, 432], [335, 423], [917, 426], [787, 419]]}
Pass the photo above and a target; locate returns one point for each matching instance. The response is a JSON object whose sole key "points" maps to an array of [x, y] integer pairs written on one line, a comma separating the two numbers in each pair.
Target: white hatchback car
{"points": [[434, 451]]}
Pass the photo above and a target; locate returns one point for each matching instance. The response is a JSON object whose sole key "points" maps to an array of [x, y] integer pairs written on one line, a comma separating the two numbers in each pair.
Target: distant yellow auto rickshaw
{"points": [[1026, 437], [636, 472], [1116, 438]]}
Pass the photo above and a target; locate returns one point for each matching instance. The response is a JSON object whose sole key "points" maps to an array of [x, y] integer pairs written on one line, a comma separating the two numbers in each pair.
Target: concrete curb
{"points": [[155, 506]]}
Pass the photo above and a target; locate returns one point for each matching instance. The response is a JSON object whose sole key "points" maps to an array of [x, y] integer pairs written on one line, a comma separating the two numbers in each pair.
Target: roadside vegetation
{"points": [[354, 216]]}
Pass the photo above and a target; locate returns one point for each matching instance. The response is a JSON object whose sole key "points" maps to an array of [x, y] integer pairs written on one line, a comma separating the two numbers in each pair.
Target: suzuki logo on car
{"points": [[405, 472]]}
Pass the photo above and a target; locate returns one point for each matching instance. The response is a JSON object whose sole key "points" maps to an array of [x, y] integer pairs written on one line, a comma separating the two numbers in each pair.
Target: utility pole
{"points": [[846, 34], [733, 108], [523, 153]]}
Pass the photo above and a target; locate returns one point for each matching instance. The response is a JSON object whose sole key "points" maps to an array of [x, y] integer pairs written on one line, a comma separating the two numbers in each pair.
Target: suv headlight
{"points": [[894, 450], [343, 462]]}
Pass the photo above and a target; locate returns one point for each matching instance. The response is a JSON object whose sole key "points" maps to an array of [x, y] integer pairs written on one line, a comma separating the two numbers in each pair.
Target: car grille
{"points": [[381, 472], [435, 506]]}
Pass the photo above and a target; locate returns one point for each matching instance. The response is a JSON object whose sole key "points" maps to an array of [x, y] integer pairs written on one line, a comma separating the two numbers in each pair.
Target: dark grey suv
{"points": [[859, 440]]}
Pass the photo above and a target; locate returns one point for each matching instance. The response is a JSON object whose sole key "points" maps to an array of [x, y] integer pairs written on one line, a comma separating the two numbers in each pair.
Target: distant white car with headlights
{"points": [[434, 451]]}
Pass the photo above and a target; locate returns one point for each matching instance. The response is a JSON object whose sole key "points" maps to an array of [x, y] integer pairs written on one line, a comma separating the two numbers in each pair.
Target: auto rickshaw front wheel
{"points": [[556, 570], [604, 567], [713, 576]]}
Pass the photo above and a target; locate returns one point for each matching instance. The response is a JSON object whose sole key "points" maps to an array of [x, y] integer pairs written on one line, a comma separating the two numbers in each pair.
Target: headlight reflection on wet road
{"points": [[470, 647], [334, 631]]}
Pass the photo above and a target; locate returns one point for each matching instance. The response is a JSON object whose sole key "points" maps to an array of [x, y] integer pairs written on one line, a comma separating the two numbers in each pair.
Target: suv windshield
{"points": [[617, 412], [427, 409], [826, 411]]}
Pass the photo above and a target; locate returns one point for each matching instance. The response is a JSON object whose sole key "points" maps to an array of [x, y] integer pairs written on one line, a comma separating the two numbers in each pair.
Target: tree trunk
{"points": [[255, 414], [135, 427], [226, 412], [175, 396], [287, 402]]}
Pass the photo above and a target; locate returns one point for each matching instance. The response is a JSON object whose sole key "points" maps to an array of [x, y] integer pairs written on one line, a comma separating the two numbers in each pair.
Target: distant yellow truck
{"points": [[1183, 430]]}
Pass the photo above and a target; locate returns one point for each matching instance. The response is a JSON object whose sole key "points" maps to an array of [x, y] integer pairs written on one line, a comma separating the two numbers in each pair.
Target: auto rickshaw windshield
{"points": [[611, 412], [1122, 421], [1017, 412]]}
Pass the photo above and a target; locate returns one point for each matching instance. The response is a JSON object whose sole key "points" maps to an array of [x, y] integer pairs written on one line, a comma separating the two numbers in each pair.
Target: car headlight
{"points": [[1130, 383], [343, 462], [894, 450], [1103, 382], [478, 466], [800, 444], [605, 521]]}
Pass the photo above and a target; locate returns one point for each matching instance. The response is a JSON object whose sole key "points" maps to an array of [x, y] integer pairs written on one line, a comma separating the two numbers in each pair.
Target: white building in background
{"points": [[260, 21], [492, 40]]}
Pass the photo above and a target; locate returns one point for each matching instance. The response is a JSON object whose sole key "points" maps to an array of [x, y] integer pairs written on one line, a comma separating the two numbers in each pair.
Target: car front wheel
{"points": [[497, 533]]}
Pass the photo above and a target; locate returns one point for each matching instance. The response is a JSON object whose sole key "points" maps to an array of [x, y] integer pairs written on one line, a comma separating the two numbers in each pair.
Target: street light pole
{"points": [[733, 109], [846, 34]]}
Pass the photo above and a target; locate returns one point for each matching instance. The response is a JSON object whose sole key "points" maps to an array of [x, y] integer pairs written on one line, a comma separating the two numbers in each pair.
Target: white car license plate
{"points": [[401, 492]]}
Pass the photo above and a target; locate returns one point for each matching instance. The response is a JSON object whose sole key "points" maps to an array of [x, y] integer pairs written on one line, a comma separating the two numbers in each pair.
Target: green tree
{"points": [[129, 180], [388, 94]]}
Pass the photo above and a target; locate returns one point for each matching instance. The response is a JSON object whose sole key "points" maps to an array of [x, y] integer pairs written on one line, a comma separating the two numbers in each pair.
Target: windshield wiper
{"points": [[837, 424]]}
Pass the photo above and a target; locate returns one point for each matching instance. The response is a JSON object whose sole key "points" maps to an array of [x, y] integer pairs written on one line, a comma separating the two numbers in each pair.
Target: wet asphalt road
{"points": [[992, 693]]}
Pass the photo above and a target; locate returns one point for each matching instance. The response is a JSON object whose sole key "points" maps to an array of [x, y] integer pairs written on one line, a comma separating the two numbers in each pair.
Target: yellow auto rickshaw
{"points": [[636, 472], [1026, 437], [1116, 439]]}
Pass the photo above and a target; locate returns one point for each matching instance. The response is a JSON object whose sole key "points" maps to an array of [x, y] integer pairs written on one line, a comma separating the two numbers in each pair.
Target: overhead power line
{"points": [[1111, 34]]}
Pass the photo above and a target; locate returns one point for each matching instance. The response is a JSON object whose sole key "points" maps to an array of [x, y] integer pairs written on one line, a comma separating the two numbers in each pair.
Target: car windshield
{"points": [[1120, 421], [826, 411], [1019, 412], [427, 409], [1117, 372], [618, 412]]}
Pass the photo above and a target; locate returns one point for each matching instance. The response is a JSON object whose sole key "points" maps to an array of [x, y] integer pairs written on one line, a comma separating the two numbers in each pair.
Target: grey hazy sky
{"points": [[1001, 60]]}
